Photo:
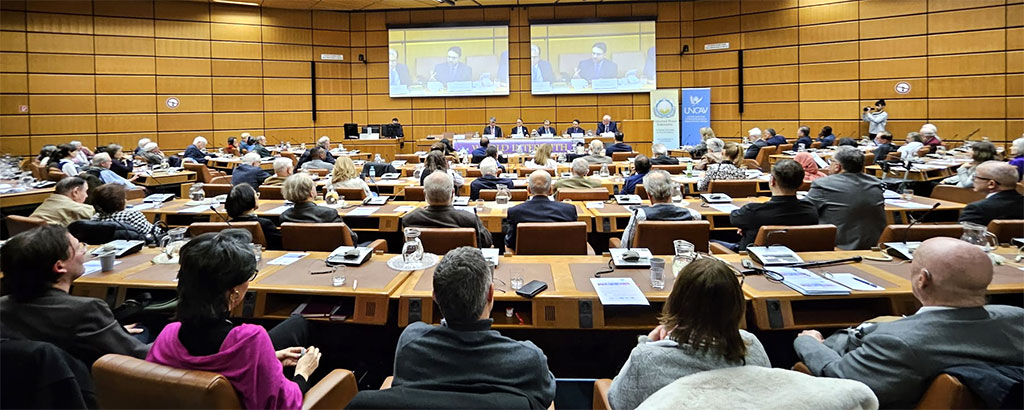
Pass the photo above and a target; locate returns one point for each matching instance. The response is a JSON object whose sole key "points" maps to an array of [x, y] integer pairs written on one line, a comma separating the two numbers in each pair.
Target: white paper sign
{"points": [[362, 211], [618, 291], [93, 266], [287, 259]]}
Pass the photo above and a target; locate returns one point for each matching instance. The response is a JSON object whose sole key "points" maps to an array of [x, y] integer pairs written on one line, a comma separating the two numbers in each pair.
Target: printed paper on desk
{"points": [[362, 211], [141, 207], [727, 208], [288, 258], [595, 205], [93, 266], [279, 210], [907, 204], [404, 208], [853, 282], [195, 209], [619, 291]]}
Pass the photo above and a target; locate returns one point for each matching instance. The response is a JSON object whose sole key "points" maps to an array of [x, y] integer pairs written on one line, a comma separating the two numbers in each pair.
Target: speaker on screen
{"points": [[593, 57], [448, 61]]}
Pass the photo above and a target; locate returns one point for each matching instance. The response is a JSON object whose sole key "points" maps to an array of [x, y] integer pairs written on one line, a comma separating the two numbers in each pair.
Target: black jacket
{"points": [[122, 167], [780, 210], [1001, 205], [537, 209], [664, 160], [487, 182], [270, 230], [754, 149], [39, 375], [193, 152], [249, 174], [311, 212], [883, 151], [617, 147]]}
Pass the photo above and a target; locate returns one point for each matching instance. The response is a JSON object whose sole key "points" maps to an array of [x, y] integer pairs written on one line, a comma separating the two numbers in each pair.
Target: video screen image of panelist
{"points": [[448, 61], [592, 58]]}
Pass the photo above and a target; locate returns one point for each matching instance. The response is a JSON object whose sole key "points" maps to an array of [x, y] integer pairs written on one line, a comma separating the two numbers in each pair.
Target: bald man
{"points": [[540, 208], [954, 327], [999, 181]]}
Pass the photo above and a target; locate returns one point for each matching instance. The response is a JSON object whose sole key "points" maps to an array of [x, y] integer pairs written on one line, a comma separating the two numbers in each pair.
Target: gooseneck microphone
{"points": [[906, 231], [214, 209]]}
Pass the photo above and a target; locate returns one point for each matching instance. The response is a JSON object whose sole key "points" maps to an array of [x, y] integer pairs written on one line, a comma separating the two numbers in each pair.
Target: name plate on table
{"points": [[578, 83], [547, 136], [541, 87], [460, 86], [605, 83], [434, 86], [373, 136], [576, 135]]}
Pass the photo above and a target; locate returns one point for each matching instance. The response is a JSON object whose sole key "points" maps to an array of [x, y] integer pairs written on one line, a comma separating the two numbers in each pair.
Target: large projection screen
{"points": [[448, 61], [592, 58]]}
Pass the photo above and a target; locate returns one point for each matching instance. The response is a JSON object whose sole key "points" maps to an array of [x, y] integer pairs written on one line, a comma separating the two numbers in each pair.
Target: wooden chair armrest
{"points": [[333, 392], [601, 387], [614, 243], [719, 249], [802, 368], [387, 382], [379, 246]]}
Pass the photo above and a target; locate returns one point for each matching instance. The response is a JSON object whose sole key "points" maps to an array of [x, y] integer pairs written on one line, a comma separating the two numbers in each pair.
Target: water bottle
{"points": [[373, 171]]}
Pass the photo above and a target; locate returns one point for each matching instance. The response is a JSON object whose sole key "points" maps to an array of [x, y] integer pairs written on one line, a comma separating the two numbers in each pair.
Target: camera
{"points": [[867, 109]]}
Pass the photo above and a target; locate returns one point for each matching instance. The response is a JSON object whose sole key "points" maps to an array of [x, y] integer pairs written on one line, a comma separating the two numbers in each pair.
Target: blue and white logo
{"points": [[664, 108], [694, 100]]}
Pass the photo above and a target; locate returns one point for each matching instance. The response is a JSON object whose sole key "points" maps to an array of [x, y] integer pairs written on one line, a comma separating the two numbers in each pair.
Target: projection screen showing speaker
{"points": [[592, 58], [448, 61]]}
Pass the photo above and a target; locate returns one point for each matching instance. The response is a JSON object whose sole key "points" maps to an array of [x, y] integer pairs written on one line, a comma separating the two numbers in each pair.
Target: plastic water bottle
{"points": [[373, 171]]}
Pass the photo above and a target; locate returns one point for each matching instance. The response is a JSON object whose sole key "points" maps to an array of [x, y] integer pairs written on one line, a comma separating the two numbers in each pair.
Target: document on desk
{"points": [[279, 210], [907, 204], [727, 208], [808, 283], [619, 291], [195, 209], [404, 208], [140, 207], [93, 266], [362, 211], [853, 282], [595, 205], [288, 258]]}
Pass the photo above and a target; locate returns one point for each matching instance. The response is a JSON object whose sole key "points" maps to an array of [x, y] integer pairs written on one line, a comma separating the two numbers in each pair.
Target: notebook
{"points": [[809, 283]]}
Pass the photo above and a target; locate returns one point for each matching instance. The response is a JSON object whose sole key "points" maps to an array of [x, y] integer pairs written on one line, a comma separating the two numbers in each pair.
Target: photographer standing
{"points": [[876, 118]]}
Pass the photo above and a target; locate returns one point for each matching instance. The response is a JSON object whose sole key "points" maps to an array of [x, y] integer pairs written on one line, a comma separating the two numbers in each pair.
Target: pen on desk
{"points": [[355, 284], [864, 282]]}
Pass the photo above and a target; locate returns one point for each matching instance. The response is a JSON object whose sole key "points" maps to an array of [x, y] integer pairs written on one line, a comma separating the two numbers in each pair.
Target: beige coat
{"points": [[62, 210]]}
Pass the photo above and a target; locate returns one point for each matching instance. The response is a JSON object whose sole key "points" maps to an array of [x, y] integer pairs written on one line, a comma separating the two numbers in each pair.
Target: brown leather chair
{"points": [[552, 238], [203, 173], [601, 388], [474, 173], [622, 156], [641, 191], [671, 169], [352, 194], [924, 151], [439, 241], [38, 171], [271, 192], [590, 194], [525, 172], [893, 156], [318, 171], [199, 228], [17, 224], [595, 169], [136, 193], [1006, 229], [517, 194], [785, 147], [213, 190], [320, 237], [869, 159], [223, 179], [290, 156], [750, 164], [763, 154], [408, 158], [920, 232], [658, 236], [956, 194], [806, 186], [808, 238], [55, 175], [816, 144], [124, 382], [414, 193], [740, 188], [945, 392]]}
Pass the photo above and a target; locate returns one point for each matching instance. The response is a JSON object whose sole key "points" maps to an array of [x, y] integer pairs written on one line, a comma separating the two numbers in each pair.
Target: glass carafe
{"points": [[331, 196], [503, 195], [196, 192], [412, 251], [684, 255], [978, 235], [604, 170]]}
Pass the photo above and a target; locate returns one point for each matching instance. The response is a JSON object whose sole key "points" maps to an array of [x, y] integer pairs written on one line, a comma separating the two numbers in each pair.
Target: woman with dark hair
{"points": [[109, 201], [699, 331], [231, 149], [215, 272], [45, 153], [241, 204], [436, 162], [63, 160], [121, 165], [825, 137]]}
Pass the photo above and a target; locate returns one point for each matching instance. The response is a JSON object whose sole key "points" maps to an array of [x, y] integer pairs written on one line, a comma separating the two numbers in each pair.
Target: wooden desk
{"points": [[227, 164], [386, 147], [157, 179], [28, 197], [930, 171]]}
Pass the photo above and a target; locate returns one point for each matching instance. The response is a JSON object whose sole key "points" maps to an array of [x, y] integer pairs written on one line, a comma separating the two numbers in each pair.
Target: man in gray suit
{"points": [[899, 359], [850, 200]]}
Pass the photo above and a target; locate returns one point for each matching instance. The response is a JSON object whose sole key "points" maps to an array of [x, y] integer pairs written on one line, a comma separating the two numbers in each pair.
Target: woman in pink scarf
{"points": [[215, 272], [811, 171]]}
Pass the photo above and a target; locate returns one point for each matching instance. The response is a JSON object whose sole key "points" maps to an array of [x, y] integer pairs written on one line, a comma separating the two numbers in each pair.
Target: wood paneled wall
{"points": [[101, 71]]}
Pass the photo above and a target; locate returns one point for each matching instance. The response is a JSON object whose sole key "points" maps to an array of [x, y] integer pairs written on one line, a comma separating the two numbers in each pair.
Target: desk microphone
{"points": [[214, 209], [906, 231], [900, 249]]}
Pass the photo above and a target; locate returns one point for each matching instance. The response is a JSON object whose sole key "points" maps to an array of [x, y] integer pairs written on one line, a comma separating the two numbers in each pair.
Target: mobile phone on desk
{"points": [[531, 289]]}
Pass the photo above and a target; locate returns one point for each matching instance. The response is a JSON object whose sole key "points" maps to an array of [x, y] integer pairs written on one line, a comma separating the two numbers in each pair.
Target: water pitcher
{"points": [[975, 234]]}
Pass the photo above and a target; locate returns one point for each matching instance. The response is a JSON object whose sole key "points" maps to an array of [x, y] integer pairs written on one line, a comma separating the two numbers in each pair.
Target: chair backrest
{"points": [[596, 168], [920, 232], [658, 235], [1006, 229], [290, 156], [622, 156], [17, 224], [806, 186], [439, 241], [672, 169], [202, 172], [213, 190], [763, 154], [414, 193], [947, 392], [474, 173], [734, 188], [38, 171], [199, 228], [785, 147], [808, 238], [351, 194], [551, 238], [408, 158], [751, 164], [134, 193], [124, 382], [404, 397], [271, 192], [314, 236], [590, 194], [517, 194], [956, 194], [54, 174], [869, 159], [893, 156], [816, 144], [525, 172], [641, 191], [317, 171]]}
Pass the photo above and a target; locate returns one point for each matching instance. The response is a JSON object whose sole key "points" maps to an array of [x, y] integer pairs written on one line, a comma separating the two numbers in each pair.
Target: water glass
{"points": [[479, 205], [257, 251], [908, 194], [338, 277], [657, 273], [516, 281]]}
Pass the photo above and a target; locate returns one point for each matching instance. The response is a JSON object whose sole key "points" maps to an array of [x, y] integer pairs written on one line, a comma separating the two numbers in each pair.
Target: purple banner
{"points": [[520, 145]]}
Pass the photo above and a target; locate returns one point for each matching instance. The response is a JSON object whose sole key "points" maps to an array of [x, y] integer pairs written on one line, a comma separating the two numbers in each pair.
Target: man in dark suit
{"points": [[851, 200], [642, 164], [546, 129], [540, 70], [803, 136], [479, 153], [773, 138], [756, 143], [399, 133], [658, 184], [999, 181], [520, 129], [783, 209], [488, 179], [453, 69], [398, 73], [954, 327], [195, 151], [597, 66], [661, 156], [492, 128], [618, 146], [884, 141], [575, 128], [39, 267], [249, 171], [439, 191], [539, 208], [606, 125]]}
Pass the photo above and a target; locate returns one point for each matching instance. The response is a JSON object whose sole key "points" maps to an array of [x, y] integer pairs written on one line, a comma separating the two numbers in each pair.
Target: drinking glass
{"points": [[338, 277], [658, 273], [257, 251], [908, 194]]}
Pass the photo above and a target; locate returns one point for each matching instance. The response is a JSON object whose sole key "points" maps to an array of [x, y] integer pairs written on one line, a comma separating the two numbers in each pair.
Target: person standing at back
{"points": [[540, 207], [851, 200], [876, 118]]}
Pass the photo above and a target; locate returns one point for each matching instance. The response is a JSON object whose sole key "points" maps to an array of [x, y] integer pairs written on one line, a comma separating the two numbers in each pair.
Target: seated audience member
{"points": [[231, 148], [301, 190], [82, 153], [120, 164], [261, 147], [318, 159], [803, 136], [540, 208], [618, 146], [542, 158], [488, 179], [898, 360], [851, 200], [578, 180], [999, 181], [714, 155], [282, 170], [658, 184], [826, 137], [142, 146], [249, 172], [774, 139], [661, 156], [152, 154], [642, 165], [215, 272], [728, 168], [241, 206], [196, 151], [1017, 150], [698, 151], [345, 175], [884, 141], [930, 138], [66, 204], [464, 292], [44, 154], [479, 153], [981, 152], [912, 146], [597, 153], [757, 142], [103, 163], [63, 160], [109, 200], [245, 144], [436, 162], [699, 331], [39, 267], [847, 142], [324, 144], [783, 209], [810, 166], [439, 213], [492, 152]]}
